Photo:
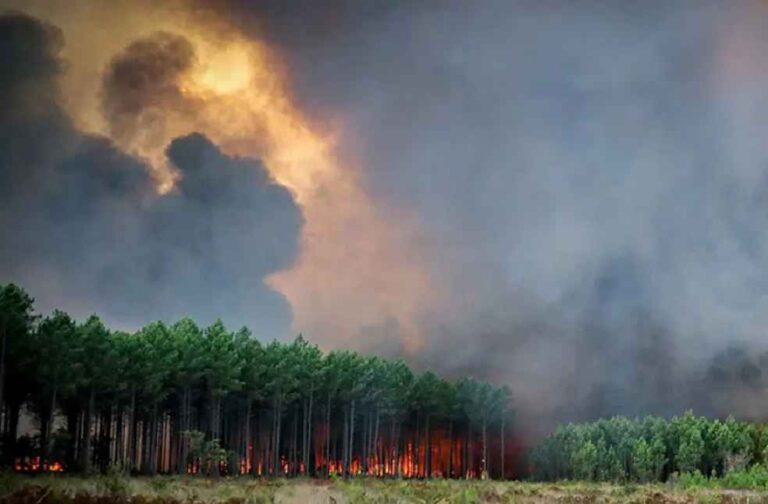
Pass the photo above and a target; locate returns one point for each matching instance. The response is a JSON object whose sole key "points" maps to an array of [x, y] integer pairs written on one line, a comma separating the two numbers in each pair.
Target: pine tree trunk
{"points": [[273, 441], [85, 455], [364, 454], [450, 449], [392, 448], [345, 442], [307, 445], [484, 472], [255, 437], [247, 437], [153, 442], [352, 433], [215, 432], [465, 454], [376, 441], [328, 436], [181, 463], [277, 421], [416, 447], [119, 431], [3, 344], [45, 431], [428, 451], [132, 431], [396, 443], [279, 435], [502, 449]]}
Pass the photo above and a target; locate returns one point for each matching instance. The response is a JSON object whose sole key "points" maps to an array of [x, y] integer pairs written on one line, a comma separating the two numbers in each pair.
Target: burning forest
{"points": [[462, 206], [184, 399]]}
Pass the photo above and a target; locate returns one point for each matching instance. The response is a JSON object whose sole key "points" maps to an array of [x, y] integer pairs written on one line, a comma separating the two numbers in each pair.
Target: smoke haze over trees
{"points": [[591, 177], [586, 182]]}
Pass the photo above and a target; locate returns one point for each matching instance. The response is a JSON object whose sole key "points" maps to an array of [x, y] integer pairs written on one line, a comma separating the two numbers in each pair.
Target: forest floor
{"points": [[62, 489]]}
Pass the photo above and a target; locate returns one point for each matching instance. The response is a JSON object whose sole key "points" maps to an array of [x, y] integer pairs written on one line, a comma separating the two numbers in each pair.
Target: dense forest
{"points": [[207, 400], [649, 449]]}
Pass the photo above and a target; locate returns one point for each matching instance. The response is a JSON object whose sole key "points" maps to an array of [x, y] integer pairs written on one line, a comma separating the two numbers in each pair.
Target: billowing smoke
{"points": [[141, 86], [84, 229], [590, 177], [566, 197]]}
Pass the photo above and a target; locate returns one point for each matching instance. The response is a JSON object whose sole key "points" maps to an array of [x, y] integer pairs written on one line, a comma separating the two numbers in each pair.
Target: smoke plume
{"points": [[568, 198], [590, 178], [84, 229]]}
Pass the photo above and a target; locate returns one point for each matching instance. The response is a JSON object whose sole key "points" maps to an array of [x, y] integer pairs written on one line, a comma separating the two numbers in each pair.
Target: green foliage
{"points": [[113, 483], [208, 451], [752, 478], [755, 477], [584, 461], [647, 449], [179, 397]]}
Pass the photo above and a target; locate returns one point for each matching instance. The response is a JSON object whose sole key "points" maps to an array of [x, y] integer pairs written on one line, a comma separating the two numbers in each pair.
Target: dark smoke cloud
{"points": [[83, 229], [141, 85], [592, 176]]}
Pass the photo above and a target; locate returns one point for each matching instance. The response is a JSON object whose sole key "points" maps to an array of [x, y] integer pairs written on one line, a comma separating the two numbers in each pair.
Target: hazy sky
{"points": [[569, 197]]}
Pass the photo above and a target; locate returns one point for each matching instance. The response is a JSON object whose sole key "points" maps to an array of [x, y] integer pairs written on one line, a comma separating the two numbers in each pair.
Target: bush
{"points": [[756, 477], [113, 483], [753, 478], [691, 480]]}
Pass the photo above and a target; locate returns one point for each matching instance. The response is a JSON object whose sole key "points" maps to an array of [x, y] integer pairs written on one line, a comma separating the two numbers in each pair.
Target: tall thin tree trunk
{"points": [[294, 443], [153, 441], [417, 447], [396, 443], [46, 427], [450, 449], [465, 454], [277, 421], [307, 444], [503, 448], [364, 444], [132, 431], [345, 442], [279, 434], [328, 436], [183, 432], [255, 437], [376, 441], [352, 433], [119, 432], [3, 344], [85, 455], [215, 432], [484, 473], [247, 436], [428, 450]]}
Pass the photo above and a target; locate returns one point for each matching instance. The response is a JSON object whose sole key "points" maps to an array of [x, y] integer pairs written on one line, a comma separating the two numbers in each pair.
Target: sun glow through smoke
{"points": [[351, 275], [227, 72]]}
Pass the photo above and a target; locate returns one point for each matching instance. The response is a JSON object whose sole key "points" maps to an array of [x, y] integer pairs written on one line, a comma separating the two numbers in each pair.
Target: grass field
{"points": [[57, 489]]}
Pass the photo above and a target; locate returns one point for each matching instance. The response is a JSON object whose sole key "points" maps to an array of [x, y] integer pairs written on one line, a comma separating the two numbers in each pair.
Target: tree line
{"points": [[181, 398], [648, 449]]}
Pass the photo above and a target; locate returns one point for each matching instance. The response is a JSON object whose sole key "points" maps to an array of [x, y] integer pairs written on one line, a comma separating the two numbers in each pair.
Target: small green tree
{"points": [[642, 463], [584, 462], [691, 449]]}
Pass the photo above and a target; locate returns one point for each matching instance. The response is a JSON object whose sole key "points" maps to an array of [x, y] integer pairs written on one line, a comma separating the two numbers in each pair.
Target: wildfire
{"points": [[35, 464]]}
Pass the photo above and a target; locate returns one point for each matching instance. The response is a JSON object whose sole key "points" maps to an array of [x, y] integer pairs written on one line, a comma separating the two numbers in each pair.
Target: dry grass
{"points": [[61, 489]]}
